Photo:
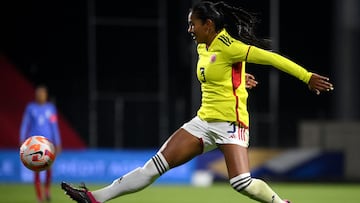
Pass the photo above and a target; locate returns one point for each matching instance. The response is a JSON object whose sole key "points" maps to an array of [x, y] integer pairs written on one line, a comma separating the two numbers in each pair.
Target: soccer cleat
{"points": [[80, 195], [287, 201]]}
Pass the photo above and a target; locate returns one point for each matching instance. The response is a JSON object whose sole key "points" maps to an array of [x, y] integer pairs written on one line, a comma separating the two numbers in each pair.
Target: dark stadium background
{"points": [[48, 42]]}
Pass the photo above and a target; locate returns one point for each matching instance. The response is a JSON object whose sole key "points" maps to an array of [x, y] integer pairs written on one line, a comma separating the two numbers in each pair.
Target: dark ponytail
{"points": [[239, 23]]}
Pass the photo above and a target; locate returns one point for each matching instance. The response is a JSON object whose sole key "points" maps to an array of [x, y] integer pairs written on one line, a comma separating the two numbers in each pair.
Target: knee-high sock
{"points": [[135, 180], [255, 189], [37, 184]]}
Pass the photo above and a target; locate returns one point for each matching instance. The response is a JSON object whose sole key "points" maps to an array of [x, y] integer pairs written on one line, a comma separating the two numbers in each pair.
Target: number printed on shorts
{"points": [[237, 133], [233, 128], [232, 132]]}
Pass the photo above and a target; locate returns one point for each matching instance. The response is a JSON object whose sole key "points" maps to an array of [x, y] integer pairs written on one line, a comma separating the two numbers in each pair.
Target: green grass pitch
{"points": [[296, 192]]}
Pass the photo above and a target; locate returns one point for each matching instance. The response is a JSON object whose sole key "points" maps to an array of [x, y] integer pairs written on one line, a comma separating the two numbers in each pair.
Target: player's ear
{"points": [[209, 22]]}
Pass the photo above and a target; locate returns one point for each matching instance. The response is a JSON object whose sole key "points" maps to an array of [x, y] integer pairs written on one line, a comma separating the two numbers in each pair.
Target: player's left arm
{"points": [[314, 81], [55, 130]]}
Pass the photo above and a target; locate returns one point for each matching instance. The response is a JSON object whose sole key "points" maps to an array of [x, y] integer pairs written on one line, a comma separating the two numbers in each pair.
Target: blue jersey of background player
{"points": [[40, 118]]}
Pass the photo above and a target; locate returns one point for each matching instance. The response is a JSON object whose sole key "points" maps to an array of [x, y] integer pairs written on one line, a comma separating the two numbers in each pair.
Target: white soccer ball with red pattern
{"points": [[37, 153]]}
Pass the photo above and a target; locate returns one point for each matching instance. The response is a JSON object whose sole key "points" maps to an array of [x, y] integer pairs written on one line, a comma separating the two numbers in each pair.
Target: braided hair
{"points": [[239, 23]]}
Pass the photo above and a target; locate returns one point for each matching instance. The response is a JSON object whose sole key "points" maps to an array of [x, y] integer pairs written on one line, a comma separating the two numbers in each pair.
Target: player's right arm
{"points": [[25, 123]]}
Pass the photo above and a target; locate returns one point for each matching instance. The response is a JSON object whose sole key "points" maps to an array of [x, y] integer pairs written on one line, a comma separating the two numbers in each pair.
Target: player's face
{"points": [[198, 29], [41, 95]]}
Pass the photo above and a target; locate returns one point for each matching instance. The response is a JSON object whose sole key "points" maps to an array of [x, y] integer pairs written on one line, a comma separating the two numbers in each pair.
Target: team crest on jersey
{"points": [[213, 58]]}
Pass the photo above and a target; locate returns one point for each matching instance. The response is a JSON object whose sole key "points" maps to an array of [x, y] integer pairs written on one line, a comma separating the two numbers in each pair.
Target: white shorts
{"points": [[214, 133]]}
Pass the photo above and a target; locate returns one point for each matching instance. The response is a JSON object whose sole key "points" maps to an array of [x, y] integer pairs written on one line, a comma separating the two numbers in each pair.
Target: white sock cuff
{"points": [[160, 162], [241, 181]]}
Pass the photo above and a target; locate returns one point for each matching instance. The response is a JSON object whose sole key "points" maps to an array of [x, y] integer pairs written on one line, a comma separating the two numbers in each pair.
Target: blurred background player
{"points": [[40, 118]]}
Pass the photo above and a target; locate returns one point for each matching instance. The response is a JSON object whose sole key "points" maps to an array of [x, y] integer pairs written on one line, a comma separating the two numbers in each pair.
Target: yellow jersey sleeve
{"points": [[237, 51], [264, 57]]}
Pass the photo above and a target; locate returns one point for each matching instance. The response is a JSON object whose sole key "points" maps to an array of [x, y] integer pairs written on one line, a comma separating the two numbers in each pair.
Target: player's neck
{"points": [[211, 39], [41, 103]]}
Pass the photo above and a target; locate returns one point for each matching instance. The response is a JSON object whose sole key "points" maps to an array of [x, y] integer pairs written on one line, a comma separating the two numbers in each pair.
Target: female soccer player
{"points": [[40, 118], [225, 39]]}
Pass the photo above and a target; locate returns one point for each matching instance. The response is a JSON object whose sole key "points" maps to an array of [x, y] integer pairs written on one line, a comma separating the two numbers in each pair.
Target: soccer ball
{"points": [[37, 153]]}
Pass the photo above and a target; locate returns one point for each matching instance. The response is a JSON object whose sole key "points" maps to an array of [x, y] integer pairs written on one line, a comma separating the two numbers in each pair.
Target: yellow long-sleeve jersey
{"points": [[221, 72]]}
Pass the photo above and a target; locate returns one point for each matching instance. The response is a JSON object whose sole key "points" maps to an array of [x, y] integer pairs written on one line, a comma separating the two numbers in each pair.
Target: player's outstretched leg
{"points": [[177, 150], [134, 181]]}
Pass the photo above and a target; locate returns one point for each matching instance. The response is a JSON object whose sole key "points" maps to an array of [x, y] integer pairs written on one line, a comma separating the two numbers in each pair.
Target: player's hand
{"points": [[250, 81], [318, 83]]}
